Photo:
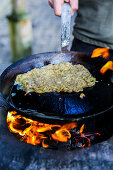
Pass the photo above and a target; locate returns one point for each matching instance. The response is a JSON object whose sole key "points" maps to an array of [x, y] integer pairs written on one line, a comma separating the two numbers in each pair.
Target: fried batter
{"points": [[59, 77]]}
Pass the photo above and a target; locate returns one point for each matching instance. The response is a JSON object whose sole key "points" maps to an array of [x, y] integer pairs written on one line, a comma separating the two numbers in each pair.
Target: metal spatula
{"points": [[65, 26]]}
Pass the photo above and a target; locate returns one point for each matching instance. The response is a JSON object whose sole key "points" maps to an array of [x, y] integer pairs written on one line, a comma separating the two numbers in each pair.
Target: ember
{"points": [[104, 52], [45, 135]]}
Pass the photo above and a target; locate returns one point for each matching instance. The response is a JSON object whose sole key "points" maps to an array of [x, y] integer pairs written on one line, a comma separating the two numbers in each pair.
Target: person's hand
{"points": [[57, 5]]}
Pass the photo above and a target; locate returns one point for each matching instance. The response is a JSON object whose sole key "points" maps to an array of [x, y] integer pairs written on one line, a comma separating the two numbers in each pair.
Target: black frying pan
{"points": [[63, 106]]}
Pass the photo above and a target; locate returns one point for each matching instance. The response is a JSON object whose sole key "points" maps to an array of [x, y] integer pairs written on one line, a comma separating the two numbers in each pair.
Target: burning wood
{"points": [[36, 133], [105, 54]]}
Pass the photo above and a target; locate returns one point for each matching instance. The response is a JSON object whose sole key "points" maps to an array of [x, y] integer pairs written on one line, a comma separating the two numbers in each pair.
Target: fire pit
{"points": [[88, 120]]}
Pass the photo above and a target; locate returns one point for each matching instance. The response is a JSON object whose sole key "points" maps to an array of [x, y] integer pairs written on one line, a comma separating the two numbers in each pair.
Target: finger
{"points": [[72, 12], [67, 1], [58, 7], [74, 5], [51, 3]]}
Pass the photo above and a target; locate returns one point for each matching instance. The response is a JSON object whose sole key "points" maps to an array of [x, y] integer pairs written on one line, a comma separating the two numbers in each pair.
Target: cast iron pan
{"points": [[63, 106]]}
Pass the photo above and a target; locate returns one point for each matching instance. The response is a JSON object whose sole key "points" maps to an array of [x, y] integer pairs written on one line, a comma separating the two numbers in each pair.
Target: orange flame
{"points": [[33, 131], [63, 133], [37, 133], [100, 51], [107, 66], [105, 53], [82, 128]]}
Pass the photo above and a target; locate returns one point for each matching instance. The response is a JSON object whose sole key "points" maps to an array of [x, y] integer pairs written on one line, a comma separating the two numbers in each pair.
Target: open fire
{"points": [[48, 135], [104, 52]]}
